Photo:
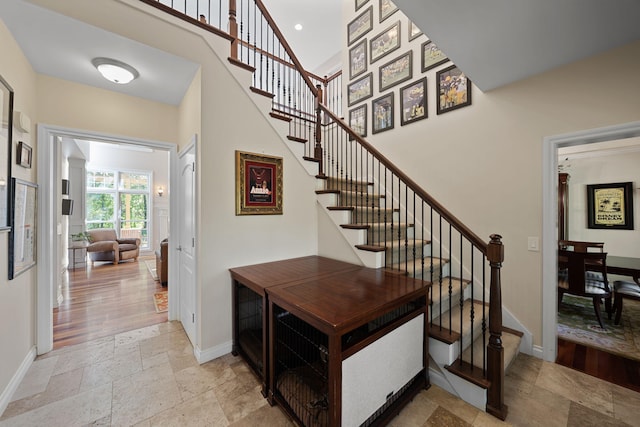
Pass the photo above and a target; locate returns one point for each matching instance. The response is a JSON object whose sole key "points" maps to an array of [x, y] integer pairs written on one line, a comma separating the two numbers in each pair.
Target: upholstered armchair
{"points": [[104, 245], [162, 262]]}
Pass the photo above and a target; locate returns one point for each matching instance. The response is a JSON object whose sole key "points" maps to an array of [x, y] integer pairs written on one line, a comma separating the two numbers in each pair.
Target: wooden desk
{"points": [[250, 309], [354, 343]]}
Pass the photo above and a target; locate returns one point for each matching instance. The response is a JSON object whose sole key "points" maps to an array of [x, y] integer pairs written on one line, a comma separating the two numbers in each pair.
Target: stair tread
{"points": [[296, 139], [402, 244], [416, 264], [466, 320], [510, 343]]}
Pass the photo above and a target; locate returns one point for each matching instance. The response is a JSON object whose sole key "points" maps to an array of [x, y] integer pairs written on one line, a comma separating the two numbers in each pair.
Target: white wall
{"points": [[18, 296], [484, 162], [604, 169]]}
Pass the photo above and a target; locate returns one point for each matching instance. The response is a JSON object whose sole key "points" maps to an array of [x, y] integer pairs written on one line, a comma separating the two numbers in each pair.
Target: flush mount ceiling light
{"points": [[114, 70], [298, 27]]}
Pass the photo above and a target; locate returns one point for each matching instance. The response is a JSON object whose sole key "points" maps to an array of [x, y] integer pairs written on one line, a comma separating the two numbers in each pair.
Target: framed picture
{"points": [[360, 3], [382, 113], [387, 8], [610, 206], [396, 71], [454, 89], [358, 59], [360, 89], [414, 31], [432, 56], [23, 155], [6, 148], [413, 102], [22, 237], [385, 42], [360, 26], [258, 184], [358, 120]]}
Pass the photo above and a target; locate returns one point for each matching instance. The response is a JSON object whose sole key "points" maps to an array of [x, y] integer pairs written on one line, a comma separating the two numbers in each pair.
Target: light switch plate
{"points": [[533, 244]]}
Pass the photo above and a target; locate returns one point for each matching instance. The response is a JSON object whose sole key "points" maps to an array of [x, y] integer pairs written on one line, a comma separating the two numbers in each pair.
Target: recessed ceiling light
{"points": [[114, 70], [298, 27]]}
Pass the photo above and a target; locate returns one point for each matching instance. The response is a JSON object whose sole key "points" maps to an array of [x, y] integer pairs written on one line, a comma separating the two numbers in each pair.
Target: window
{"points": [[124, 206]]}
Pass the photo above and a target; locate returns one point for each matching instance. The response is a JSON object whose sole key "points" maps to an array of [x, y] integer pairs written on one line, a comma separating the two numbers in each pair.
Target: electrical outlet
{"points": [[533, 244]]}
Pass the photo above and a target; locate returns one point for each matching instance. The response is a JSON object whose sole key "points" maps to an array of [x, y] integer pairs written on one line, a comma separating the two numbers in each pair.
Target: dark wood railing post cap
{"points": [[495, 250]]}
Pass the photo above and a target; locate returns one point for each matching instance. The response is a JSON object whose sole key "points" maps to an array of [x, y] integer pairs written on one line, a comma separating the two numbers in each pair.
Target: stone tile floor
{"points": [[149, 377]]}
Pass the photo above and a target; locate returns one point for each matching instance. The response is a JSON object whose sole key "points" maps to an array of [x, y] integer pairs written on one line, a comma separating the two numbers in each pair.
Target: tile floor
{"points": [[149, 377]]}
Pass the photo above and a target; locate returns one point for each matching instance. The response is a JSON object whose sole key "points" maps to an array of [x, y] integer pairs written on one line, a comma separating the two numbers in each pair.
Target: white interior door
{"points": [[186, 241]]}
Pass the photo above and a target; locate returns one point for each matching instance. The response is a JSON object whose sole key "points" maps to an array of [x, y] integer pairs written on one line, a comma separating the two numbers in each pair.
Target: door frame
{"points": [[48, 169], [550, 147]]}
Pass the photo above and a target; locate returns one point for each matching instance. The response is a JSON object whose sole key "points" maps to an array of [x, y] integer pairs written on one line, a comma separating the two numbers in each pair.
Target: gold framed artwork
{"points": [[396, 71], [385, 42], [360, 26], [258, 184], [22, 237], [610, 206], [454, 89], [358, 59]]}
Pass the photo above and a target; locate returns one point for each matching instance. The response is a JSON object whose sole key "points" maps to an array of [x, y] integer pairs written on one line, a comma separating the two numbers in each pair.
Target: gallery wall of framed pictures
{"points": [[395, 72]]}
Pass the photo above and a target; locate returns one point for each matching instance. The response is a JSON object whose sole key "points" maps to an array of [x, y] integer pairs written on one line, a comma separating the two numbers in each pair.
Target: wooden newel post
{"points": [[233, 29], [317, 150], [495, 351]]}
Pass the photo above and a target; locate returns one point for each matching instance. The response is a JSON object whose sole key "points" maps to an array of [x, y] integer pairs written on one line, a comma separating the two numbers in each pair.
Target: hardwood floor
{"points": [[105, 299], [598, 363]]}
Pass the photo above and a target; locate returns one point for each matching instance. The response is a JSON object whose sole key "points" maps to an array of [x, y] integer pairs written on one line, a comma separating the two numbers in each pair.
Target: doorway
{"points": [[49, 174], [550, 214]]}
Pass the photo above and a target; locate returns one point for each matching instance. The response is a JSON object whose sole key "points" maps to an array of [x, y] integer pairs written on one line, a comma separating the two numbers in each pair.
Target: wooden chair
{"points": [[622, 290], [574, 279], [581, 246]]}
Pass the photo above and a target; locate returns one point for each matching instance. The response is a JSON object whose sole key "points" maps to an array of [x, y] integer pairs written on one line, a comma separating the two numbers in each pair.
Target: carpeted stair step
{"points": [[440, 327], [361, 214], [353, 198], [440, 294], [342, 184], [399, 251], [379, 233], [416, 267], [510, 342]]}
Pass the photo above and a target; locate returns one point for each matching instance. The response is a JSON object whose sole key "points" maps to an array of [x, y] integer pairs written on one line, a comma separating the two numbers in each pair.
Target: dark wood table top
{"points": [[625, 266], [265, 275], [343, 301]]}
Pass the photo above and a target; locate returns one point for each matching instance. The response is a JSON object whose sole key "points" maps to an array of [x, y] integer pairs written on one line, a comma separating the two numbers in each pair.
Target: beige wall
{"points": [[484, 162], [17, 297]]}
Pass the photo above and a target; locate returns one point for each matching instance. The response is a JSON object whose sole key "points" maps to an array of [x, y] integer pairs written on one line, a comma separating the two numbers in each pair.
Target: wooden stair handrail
{"points": [[286, 46], [458, 225]]}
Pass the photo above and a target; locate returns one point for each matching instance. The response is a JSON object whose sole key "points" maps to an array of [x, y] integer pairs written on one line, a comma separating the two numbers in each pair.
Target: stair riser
{"points": [[360, 199], [361, 215], [400, 254], [333, 184], [378, 235]]}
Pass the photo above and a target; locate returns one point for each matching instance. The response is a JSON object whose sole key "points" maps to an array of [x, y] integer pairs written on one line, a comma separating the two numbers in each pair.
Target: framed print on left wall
{"points": [[6, 147], [258, 184]]}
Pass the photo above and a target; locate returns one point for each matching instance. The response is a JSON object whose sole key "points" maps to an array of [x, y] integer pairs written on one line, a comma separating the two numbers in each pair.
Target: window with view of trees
{"points": [[120, 200]]}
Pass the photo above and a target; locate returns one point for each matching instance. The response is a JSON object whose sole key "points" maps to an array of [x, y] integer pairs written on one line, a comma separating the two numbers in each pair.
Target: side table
{"points": [[77, 260]]}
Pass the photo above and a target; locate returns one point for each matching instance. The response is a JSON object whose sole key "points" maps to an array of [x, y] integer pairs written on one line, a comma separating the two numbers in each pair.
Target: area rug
{"points": [[577, 323], [151, 266], [161, 301]]}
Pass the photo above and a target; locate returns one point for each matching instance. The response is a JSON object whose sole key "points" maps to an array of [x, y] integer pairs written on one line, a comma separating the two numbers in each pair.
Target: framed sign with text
{"points": [[610, 206]]}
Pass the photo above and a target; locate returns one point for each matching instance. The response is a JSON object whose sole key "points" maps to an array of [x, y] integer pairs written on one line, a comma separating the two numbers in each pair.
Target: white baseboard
{"points": [[203, 356], [538, 352], [17, 378]]}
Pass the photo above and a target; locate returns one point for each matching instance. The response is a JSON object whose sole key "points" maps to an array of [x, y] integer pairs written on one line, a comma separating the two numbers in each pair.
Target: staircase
{"points": [[389, 220]]}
